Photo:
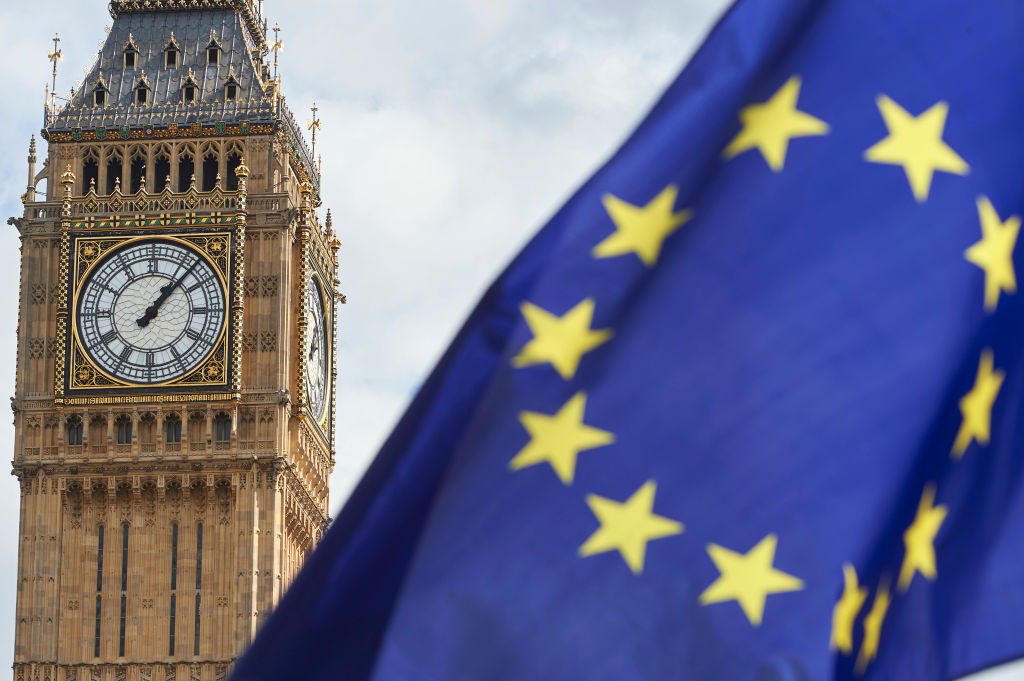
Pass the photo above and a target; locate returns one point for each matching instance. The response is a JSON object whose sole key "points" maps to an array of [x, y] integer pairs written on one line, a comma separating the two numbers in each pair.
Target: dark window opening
{"points": [[99, 561], [124, 432], [141, 95], [231, 92], [75, 432], [196, 645], [186, 169], [222, 428], [162, 168], [174, 557], [190, 94], [174, 435], [171, 59], [138, 168], [212, 56], [199, 556], [113, 174], [90, 174], [234, 160], [170, 646], [120, 641], [96, 634], [210, 168], [129, 60], [124, 558], [100, 97]]}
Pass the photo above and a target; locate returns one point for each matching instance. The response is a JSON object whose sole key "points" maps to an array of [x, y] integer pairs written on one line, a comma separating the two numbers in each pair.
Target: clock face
{"points": [[151, 312], [316, 352]]}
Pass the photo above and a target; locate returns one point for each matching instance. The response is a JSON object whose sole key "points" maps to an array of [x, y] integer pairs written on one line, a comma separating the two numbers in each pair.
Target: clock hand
{"points": [[165, 293], [313, 348]]}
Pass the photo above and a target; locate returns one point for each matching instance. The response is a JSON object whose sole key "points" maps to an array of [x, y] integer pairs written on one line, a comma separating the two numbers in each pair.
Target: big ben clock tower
{"points": [[174, 406]]}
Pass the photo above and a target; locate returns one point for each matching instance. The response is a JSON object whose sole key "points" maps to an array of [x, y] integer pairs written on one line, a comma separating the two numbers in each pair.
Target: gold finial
{"points": [[242, 171], [117, 184], [92, 185], [68, 179], [167, 183], [276, 47], [54, 56], [217, 181], [192, 183], [314, 125]]}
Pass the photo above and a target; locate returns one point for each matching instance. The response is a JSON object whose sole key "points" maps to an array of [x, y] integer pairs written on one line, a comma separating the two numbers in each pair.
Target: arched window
{"points": [[162, 170], [211, 167], [138, 171], [141, 93], [114, 169], [172, 428], [123, 424], [90, 171], [75, 430], [222, 428], [186, 170], [234, 160]]}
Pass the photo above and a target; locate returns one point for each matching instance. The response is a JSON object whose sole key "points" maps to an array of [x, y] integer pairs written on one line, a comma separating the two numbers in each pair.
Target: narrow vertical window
{"points": [[99, 562], [96, 635], [99, 598], [124, 588], [199, 557], [199, 581], [174, 586], [171, 643], [120, 640], [124, 559], [196, 646], [174, 557]]}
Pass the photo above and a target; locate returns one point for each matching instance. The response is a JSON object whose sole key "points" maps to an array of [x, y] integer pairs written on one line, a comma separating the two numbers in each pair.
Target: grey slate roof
{"points": [[193, 30], [151, 31]]}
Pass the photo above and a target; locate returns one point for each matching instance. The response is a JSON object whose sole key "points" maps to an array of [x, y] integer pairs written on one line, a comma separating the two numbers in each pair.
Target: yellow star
{"points": [[920, 540], [559, 439], [627, 527], [846, 610], [562, 341], [873, 628], [994, 253], [916, 144], [770, 126], [641, 229], [748, 578], [976, 406]]}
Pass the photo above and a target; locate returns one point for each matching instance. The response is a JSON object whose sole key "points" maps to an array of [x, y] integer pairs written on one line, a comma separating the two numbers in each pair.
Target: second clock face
{"points": [[316, 353], [151, 312]]}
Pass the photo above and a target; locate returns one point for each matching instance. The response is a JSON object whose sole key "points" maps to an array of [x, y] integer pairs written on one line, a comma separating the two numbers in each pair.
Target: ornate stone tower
{"points": [[176, 354]]}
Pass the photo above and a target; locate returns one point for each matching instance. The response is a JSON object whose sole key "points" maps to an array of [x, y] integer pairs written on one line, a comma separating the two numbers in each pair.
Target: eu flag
{"points": [[747, 408]]}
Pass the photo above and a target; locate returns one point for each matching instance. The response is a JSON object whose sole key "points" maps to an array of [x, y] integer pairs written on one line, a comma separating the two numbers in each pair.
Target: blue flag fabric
{"points": [[746, 408]]}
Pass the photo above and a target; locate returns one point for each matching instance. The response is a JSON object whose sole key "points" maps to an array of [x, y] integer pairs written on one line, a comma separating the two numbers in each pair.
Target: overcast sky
{"points": [[452, 130]]}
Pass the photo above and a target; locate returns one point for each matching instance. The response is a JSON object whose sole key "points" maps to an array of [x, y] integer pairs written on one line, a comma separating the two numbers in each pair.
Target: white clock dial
{"points": [[151, 312], [316, 350]]}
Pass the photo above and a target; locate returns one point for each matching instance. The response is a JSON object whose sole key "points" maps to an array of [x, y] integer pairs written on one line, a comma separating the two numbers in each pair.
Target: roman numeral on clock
{"points": [[108, 336]]}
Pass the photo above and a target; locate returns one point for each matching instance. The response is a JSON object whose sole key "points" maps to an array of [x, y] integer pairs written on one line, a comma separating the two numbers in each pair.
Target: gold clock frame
{"points": [[79, 380]]}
